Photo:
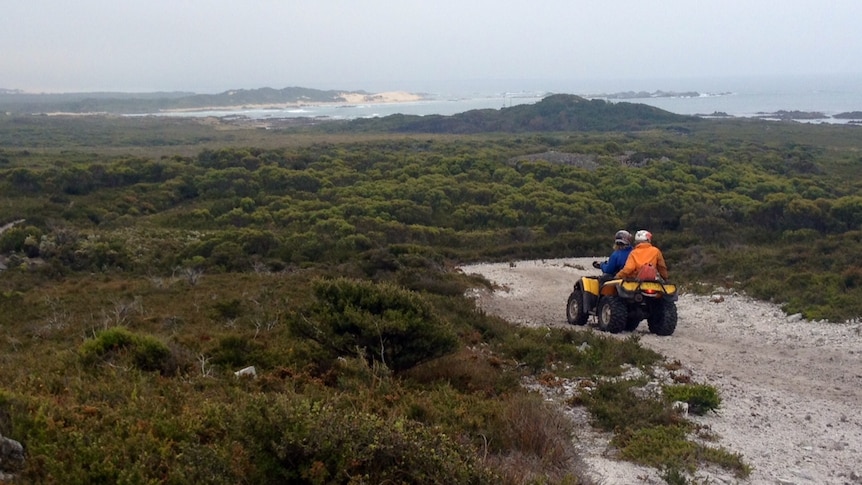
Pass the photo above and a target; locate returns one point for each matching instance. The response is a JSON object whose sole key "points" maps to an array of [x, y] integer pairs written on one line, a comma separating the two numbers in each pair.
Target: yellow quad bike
{"points": [[621, 304]]}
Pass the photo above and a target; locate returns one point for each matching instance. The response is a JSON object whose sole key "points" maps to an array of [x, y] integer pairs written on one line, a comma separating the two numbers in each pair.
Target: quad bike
{"points": [[621, 304]]}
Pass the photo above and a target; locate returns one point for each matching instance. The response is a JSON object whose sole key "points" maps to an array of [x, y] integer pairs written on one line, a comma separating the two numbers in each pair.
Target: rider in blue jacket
{"points": [[622, 248]]}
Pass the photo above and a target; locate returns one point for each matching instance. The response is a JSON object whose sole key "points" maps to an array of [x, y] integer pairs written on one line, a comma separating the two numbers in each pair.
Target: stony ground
{"points": [[791, 389]]}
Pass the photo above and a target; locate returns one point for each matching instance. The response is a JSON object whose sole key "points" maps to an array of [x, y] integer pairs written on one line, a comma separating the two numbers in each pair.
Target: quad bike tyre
{"points": [[662, 318], [613, 314], [576, 314]]}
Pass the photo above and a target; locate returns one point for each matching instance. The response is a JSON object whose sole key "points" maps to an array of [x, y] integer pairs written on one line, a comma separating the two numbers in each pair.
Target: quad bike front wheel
{"points": [[662, 318], [576, 314], [613, 314]]}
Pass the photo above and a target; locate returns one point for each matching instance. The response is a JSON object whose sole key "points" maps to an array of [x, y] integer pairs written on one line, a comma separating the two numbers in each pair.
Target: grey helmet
{"points": [[623, 237]]}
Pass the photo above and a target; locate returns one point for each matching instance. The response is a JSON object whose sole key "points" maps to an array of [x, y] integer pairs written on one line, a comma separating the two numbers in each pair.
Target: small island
{"points": [[849, 115], [655, 94]]}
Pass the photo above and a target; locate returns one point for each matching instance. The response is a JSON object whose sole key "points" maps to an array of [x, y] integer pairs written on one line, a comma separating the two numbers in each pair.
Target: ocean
{"points": [[733, 96]]}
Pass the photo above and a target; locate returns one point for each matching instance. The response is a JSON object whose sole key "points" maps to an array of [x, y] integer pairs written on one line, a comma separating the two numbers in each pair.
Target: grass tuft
{"points": [[701, 398]]}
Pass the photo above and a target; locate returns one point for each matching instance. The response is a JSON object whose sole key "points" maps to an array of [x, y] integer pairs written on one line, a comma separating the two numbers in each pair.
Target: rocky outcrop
{"points": [[849, 115]]}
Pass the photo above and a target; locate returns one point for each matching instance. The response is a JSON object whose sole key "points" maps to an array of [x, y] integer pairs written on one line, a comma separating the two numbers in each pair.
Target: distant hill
{"points": [[15, 101], [557, 112]]}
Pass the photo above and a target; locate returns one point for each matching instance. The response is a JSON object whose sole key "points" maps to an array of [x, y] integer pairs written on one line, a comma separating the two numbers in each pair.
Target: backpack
{"points": [[647, 273]]}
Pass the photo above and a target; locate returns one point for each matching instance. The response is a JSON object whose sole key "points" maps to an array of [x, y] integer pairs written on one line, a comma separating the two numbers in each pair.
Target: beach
{"points": [[348, 99]]}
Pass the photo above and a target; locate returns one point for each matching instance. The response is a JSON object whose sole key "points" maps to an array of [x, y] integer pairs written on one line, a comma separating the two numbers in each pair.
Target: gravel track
{"points": [[791, 389]]}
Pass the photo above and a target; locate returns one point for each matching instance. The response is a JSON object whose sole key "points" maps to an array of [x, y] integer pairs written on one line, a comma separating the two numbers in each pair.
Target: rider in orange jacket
{"points": [[644, 253]]}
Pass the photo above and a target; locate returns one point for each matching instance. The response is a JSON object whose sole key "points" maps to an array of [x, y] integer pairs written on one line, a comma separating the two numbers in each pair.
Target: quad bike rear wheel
{"points": [[662, 318], [576, 314], [613, 314]]}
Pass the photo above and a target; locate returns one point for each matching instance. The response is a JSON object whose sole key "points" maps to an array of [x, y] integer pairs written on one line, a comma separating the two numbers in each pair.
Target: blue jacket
{"points": [[616, 261]]}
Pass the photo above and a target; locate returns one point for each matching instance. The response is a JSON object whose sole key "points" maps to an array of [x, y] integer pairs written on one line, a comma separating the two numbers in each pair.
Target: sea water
{"points": [[756, 96], [732, 96]]}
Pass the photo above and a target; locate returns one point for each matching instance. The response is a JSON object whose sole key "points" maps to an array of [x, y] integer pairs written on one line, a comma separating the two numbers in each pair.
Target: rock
{"points": [[681, 407], [11, 457], [249, 371]]}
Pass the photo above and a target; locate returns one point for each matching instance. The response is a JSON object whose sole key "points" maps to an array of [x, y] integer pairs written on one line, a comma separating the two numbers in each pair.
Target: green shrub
{"points": [[649, 432], [700, 397], [234, 352], [107, 341], [615, 407], [659, 446], [388, 323], [297, 440], [228, 309], [142, 351], [667, 447], [535, 348], [25, 239], [151, 354]]}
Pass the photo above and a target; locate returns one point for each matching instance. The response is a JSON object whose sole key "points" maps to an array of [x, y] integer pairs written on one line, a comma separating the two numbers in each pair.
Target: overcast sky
{"points": [[209, 46]]}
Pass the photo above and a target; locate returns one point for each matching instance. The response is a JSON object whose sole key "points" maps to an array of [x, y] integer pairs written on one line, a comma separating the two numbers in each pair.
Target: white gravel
{"points": [[790, 388]]}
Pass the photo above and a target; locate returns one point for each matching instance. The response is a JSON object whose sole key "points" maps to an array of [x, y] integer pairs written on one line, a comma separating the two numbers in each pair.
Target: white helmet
{"points": [[643, 236]]}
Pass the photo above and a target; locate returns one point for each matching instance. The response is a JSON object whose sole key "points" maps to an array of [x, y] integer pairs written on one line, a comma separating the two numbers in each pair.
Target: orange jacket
{"points": [[643, 253]]}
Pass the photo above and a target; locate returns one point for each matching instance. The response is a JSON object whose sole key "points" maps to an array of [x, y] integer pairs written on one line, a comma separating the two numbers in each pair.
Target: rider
{"points": [[643, 254], [617, 259]]}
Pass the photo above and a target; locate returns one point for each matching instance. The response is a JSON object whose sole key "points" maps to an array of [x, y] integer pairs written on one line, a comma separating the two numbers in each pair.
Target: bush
{"points": [[228, 309], [234, 352], [700, 397], [119, 344], [615, 407], [303, 441], [151, 354], [24, 239], [388, 323]]}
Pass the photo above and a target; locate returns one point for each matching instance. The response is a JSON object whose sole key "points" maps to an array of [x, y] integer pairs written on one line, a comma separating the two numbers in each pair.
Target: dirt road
{"points": [[791, 389]]}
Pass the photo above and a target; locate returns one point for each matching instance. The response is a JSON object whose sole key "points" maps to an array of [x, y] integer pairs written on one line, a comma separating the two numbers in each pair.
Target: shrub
{"points": [[535, 348], [303, 441], [390, 324], [535, 428], [235, 352], [659, 446], [667, 447], [700, 397], [228, 309], [21, 239], [468, 371], [649, 432], [151, 354], [111, 340], [119, 344], [614, 406]]}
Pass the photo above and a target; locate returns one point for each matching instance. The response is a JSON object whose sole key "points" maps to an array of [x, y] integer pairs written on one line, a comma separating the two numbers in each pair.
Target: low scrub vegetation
{"points": [[143, 265], [118, 345], [651, 430]]}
